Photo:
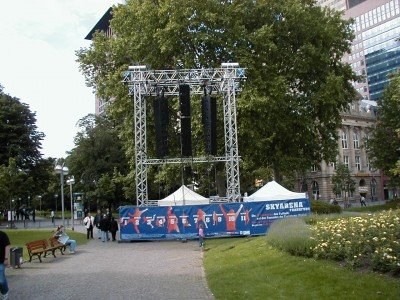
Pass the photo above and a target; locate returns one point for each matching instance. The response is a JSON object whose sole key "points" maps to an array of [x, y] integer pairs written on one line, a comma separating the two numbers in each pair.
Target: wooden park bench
{"points": [[39, 247], [56, 244]]}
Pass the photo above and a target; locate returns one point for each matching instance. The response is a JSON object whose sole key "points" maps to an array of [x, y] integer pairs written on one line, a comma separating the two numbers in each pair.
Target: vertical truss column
{"points": [[139, 108], [231, 144]]}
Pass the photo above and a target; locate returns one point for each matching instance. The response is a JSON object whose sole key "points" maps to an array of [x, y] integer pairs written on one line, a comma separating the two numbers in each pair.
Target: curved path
{"points": [[111, 270]]}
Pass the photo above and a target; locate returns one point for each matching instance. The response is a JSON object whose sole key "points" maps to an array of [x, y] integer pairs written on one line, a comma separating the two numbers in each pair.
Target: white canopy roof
{"points": [[183, 196], [274, 191]]}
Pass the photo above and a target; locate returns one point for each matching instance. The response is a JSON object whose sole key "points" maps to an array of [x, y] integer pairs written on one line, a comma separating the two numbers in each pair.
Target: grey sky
{"points": [[37, 62]]}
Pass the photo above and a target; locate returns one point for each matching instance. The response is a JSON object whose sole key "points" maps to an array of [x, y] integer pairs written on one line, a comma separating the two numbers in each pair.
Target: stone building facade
{"points": [[357, 123]]}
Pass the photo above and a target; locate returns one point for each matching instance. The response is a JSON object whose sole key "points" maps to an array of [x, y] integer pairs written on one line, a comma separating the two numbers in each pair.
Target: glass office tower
{"points": [[376, 48]]}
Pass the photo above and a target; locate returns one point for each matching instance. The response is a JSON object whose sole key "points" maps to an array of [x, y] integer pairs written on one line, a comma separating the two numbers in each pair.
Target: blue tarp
{"points": [[219, 220]]}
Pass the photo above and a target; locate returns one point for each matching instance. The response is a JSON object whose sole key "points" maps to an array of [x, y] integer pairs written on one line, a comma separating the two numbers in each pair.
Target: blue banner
{"points": [[218, 220]]}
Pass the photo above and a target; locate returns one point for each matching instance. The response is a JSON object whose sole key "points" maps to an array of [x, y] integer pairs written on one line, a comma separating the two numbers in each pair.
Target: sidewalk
{"points": [[111, 270]]}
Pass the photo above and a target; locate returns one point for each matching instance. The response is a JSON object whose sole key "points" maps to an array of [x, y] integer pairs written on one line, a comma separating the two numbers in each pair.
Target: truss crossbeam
{"points": [[170, 79], [186, 160]]}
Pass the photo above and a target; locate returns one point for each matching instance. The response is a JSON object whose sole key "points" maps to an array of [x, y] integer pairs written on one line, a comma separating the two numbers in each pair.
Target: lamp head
{"points": [[65, 170], [58, 169]]}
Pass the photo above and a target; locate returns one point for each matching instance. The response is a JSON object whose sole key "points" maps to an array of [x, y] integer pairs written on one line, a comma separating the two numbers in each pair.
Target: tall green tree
{"points": [[384, 144], [11, 180], [296, 87], [20, 138], [97, 154], [20, 149], [342, 183]]}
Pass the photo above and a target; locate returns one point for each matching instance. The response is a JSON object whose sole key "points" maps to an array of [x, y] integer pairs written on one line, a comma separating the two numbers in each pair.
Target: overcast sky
{"points": [[37, 62]]}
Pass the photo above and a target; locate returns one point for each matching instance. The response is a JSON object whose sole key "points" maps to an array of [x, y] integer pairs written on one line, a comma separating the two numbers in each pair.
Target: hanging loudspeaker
{"points": [[186, 130], [209, 116], [161, 124]]}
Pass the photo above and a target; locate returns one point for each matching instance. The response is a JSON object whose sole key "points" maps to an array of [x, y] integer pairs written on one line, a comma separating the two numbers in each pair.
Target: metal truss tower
{"points": [[226, 80]]}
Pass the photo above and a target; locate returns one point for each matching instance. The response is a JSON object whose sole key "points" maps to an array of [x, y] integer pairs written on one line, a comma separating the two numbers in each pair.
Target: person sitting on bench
{"points": [[63, 238]]}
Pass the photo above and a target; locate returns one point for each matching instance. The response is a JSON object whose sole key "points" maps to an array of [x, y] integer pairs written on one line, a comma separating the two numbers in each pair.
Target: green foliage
{"points": [[383, 147], [251, 269], [22, 170], [97, 158], [11, 180], [289, 111], [19, 136], [342, 183], [322, 207], [291, 235]]}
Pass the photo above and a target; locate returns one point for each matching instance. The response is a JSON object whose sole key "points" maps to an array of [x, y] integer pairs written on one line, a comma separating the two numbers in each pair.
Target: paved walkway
{"points": [[140, 270]]}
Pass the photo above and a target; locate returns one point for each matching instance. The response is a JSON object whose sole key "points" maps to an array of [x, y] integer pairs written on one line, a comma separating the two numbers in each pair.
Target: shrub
{"points": [[322, 207], [366, 241], [292, 235]]}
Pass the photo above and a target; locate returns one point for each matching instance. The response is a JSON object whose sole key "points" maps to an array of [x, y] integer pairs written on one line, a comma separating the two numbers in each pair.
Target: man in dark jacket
{"points": [[104, 227], [113, 228], [97, 219]]}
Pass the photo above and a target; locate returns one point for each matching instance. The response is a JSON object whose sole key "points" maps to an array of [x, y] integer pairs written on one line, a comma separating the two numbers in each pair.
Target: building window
{"points": [[344, 140], [314, 168], [346, 161], [369, 165], [304, 186], [315, 190], [356, 140], [358, 163]]}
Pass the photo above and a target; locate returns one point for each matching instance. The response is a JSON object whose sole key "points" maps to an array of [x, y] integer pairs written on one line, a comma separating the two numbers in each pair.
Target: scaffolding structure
{"points": [[143, 83]]}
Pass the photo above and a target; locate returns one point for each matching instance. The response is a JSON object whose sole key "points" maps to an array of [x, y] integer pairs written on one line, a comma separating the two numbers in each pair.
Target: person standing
{"points": [[201, 236], [89, 222], [109, 215], [4, 262], [113, 228], [104, 227], [52, 216], [97, 219]]}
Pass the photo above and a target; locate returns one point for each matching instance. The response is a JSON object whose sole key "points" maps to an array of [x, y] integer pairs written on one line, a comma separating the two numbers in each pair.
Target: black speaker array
{"points": [[161, 118], [209, 118], [186, 130]]}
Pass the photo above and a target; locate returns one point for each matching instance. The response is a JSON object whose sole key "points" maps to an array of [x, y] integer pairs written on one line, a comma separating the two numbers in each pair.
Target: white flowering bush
{"points": [[292, 235], [371, 241]]}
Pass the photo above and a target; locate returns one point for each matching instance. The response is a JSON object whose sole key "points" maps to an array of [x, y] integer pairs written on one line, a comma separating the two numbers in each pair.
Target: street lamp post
{"points": [[71, 181], [62, 170], [40, 203], [56, 197]]}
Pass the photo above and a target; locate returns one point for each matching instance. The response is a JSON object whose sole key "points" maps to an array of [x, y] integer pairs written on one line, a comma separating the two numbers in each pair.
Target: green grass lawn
{"points": [[19, 237], [248, 268]]}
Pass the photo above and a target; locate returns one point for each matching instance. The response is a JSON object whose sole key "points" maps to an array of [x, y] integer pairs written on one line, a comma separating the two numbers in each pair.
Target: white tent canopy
{"points": [[183, 196], [274, 191]]}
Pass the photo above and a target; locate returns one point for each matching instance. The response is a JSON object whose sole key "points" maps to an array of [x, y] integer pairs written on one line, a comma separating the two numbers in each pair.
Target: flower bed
{"points": [[371, 241]]}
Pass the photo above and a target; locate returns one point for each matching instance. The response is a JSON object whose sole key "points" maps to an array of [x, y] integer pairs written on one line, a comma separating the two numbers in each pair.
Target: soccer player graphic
{"points": [[185, 220], [135, 218], [201, 216], [149, 220], [160, 221], [230, 217], [247, 216], [172, 221], [215, 218]]}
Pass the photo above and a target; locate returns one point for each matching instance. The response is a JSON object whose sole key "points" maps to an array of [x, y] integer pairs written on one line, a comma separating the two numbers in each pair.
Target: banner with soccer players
{"points": [[218, 220]]}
